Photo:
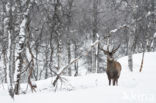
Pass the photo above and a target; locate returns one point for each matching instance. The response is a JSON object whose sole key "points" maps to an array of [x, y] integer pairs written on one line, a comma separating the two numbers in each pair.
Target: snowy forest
{"points": [[51, 45]]}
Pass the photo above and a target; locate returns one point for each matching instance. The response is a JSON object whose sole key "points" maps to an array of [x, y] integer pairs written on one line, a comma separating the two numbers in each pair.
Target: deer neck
{"points": [[110, 64]]}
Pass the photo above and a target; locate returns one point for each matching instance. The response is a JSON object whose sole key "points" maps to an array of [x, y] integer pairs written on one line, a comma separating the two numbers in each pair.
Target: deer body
{"points": [[113, 71], [113, 67]]}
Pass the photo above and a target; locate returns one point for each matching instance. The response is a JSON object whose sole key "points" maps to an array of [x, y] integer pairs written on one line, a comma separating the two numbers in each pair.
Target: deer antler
{"points": [[105, 51], [108, 48], [114, 50]]}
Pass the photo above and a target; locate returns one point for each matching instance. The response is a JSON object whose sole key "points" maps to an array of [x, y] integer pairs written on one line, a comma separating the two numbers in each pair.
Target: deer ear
{"points": [[105, 52]]}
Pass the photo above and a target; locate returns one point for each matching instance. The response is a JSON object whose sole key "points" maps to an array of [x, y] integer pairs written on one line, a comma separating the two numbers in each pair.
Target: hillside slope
{"points": [[134, 87]]}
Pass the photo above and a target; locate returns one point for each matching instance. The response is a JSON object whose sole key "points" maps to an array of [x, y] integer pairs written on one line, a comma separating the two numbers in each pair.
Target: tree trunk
{"points": [[69, 22], [4, 44], [58, 54], [51, 55], [69, 57], [97, 59], [142, 62], [131, 46], [31, 67], [76, 63], [130, 57], [8, 31], [20, 48], [130, 62], [36, 69], [9, 67], [94, 31], [46, 62], [5, 66]]}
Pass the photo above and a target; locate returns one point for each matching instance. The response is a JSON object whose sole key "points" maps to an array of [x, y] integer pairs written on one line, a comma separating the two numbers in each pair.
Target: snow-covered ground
{"points": [[134, 87]]}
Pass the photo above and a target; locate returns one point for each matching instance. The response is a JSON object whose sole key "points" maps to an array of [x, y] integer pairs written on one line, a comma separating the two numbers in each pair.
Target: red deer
{"points": [[113, 67]]}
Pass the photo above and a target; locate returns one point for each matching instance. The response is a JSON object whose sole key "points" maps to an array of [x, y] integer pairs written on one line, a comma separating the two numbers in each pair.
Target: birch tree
{"points": [[21, 46], [94, 37], [8, 32], [69, 22], [4, 41]]}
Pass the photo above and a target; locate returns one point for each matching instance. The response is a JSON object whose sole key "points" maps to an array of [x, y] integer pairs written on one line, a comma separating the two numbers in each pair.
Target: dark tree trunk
{"points": [[76, 63]]}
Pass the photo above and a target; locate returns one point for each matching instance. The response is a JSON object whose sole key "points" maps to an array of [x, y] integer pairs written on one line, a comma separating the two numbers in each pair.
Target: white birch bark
{"points": [[7, 31], [20, 48]]}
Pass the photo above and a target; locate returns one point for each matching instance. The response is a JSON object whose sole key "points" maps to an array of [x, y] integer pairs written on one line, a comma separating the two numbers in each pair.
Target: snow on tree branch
{"points": [[73, 61], [120, 27], [128, 25]]}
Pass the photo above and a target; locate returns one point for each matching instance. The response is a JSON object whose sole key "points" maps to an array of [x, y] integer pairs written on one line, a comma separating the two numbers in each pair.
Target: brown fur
{"points": [[113, 67], [113, 71]]}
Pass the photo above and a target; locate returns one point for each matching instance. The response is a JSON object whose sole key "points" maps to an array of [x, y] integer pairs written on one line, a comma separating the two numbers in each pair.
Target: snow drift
{"points": [[134, 87]]}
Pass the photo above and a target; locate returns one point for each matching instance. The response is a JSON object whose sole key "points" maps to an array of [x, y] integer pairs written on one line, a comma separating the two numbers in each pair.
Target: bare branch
{"points": [[73, 61]]}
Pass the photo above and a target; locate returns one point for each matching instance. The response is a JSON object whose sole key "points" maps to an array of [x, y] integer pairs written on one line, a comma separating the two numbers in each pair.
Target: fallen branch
{"points": [[73, 61]]}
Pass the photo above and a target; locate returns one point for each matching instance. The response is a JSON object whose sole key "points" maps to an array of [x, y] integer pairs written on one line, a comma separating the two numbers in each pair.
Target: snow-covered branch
{"points": [[132, 23], [119, 28], [85, 53]]}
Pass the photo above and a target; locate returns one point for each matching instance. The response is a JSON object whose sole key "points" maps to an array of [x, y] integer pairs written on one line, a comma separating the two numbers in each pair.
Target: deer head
{"points": [[110, 52]]}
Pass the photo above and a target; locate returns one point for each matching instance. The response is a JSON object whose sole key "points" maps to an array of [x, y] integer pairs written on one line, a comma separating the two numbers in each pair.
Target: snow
{"points": [[22, 28], [7, 6], [120, 27], [134, 87], [155, 35], [97, 35], [150, 13], [105, 47], [95, 43], [4, 96], [110, 48], [113, 31]]}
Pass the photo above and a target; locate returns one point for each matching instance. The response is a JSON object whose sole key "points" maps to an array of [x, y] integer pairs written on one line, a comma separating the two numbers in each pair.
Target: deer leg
{"points": [[114, 82], [109, 79], [117, 81]]}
